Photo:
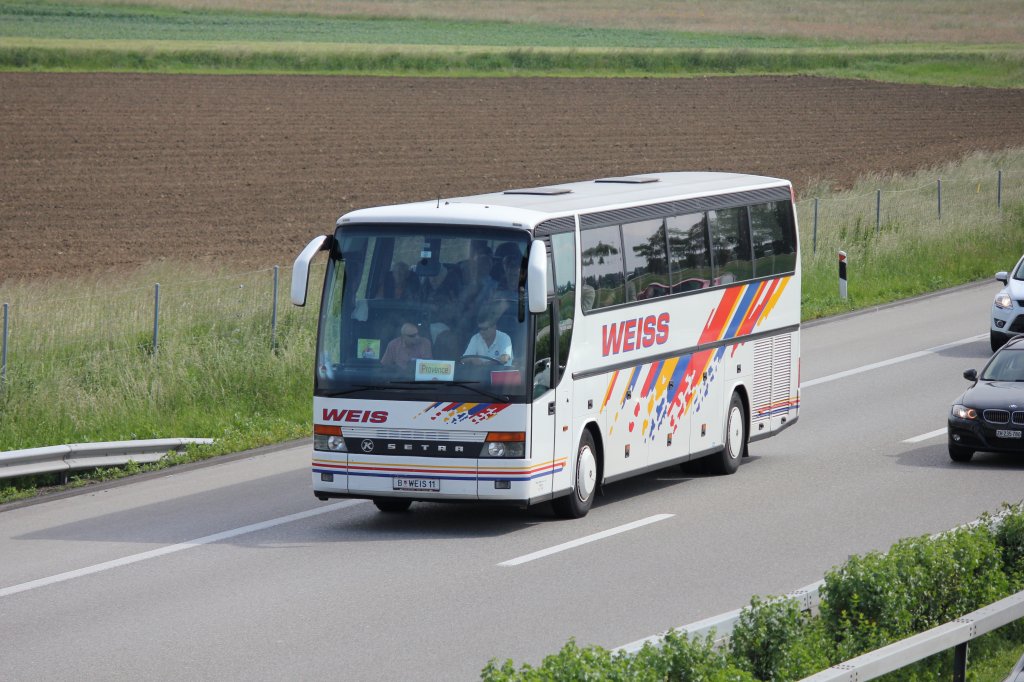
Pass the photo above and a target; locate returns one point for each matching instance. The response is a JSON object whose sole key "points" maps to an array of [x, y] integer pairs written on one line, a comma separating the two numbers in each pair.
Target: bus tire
{"points": [[391, 505], [577, 503], [728, 460]]}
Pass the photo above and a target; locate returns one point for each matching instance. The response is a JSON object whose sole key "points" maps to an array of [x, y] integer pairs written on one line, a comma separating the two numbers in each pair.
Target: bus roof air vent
{"points": [[630, 180], [541, 191]]}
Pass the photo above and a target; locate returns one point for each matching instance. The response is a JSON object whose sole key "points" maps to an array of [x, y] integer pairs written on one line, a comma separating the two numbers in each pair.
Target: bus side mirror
{"points": [[537, 277], [300, 271]]}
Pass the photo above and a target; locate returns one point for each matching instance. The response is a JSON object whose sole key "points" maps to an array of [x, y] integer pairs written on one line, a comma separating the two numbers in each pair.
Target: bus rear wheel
{"points": [[728, 460], [392, 504], [576, 504]]}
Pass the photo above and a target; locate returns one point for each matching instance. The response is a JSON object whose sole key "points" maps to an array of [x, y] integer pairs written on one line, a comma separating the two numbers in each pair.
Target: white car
{"points": [[1008, 307]]}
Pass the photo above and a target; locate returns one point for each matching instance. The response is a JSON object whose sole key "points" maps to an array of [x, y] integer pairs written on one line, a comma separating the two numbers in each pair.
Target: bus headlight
{"points": [[328, 438], [505, 445]]}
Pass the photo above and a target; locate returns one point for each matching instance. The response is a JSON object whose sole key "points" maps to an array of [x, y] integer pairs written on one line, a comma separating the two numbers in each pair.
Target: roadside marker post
{"points": [[842, 275]]}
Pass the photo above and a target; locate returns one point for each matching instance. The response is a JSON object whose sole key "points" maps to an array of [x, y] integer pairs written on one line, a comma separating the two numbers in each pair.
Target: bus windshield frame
{"points": [[421, 312]]}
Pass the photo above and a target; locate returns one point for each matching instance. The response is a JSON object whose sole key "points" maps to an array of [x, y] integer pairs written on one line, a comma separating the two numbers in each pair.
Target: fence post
{"points": [[960, 662], [156, 317], [273, 314], [815, 239], [940, 198], [3, 349], [842, 275], [878, 211], [999, 191]]}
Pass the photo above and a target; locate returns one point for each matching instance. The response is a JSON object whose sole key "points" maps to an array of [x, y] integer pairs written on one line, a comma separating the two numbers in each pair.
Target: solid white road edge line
{"points": [[891, 361], [170, 549], [926, 436], [584, 540]]}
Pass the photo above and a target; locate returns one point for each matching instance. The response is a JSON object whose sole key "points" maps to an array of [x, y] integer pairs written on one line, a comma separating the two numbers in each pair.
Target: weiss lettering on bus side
{"points": [[635, 334], [355, 416]]}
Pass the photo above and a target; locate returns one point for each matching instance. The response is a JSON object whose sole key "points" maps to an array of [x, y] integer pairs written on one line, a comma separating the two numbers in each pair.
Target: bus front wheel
{"points": [[576, 504], [728, 460]]}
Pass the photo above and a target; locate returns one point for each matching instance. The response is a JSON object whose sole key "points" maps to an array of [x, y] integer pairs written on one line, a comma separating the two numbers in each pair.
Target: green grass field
{"points": [[87, 36]]}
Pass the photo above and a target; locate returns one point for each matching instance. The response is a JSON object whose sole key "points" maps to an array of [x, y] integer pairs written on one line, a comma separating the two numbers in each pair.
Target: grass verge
{"points": [[84, 366]]}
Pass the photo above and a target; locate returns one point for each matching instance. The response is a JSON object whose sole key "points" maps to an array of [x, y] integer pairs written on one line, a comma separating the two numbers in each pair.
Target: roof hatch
{"points": [[630, 180], [541, 191]]}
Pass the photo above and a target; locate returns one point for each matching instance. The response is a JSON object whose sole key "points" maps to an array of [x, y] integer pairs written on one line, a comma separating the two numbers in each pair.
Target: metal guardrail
{"points": [[64, 458], [807, 598], [953, 635]]}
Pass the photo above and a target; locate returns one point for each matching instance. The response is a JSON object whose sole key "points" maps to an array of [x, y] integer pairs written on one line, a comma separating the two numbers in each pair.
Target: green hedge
{"points": [[870, 601]]}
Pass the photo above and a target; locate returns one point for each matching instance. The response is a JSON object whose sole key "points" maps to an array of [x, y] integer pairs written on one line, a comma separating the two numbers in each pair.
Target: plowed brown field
{"points": [[104, 172]]}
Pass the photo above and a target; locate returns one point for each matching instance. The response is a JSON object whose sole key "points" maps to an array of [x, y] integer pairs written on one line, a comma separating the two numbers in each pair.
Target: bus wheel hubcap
{"points": [[586, 474]]}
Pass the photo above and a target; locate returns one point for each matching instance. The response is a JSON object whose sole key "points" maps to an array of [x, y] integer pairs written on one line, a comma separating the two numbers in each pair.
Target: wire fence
{"points": [[62, 331], [830, 224], [57, 330]]}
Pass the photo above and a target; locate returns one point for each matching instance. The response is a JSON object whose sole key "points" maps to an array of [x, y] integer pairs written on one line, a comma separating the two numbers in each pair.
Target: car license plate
{"points": [[417, 484], [1003, 433]]}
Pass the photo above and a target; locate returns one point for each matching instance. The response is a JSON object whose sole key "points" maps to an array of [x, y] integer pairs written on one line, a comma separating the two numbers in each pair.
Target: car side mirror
{"points": [[971, 374], [1002, 276]]}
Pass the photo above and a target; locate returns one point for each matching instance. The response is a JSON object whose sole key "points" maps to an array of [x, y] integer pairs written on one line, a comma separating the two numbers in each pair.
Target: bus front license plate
{"points": [[1007, 434], [417, 484]]}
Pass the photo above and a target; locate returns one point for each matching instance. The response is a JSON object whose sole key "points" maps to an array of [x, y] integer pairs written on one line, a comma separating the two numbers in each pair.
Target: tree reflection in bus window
{"points": [[691, 254], [601, 253], [730, 243], [646, 259]]}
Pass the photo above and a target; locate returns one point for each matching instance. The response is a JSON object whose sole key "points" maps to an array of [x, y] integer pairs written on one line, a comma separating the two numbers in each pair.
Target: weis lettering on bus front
{"points": [[642, 332], [356, 416]]}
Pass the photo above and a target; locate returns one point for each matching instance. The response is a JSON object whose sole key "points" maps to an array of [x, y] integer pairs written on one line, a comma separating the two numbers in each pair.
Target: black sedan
{"points": [[989, 416]]}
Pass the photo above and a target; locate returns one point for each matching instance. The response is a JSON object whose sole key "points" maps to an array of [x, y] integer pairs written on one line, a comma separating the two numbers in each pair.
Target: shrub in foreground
{"points": [[870, 601]]}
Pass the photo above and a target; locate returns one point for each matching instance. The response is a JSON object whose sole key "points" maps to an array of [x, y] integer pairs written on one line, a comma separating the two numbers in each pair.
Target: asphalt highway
{"points": [[235, 571]]}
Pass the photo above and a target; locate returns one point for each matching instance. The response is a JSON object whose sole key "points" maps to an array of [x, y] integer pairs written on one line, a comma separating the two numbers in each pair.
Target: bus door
{"points": [[553, 438]]}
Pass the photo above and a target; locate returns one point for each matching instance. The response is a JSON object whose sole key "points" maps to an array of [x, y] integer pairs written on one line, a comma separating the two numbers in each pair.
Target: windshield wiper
{"points": [[471, 385], [355, 389]]}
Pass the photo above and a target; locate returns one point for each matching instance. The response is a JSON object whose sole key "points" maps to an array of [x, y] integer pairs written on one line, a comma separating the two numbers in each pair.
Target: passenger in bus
{"points": [[506, 298], [477, 283], [406, 348], [399, 284], [488, 342]]}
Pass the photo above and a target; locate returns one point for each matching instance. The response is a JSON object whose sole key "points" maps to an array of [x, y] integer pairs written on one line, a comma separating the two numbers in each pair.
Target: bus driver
{"points": [[489, 342]]}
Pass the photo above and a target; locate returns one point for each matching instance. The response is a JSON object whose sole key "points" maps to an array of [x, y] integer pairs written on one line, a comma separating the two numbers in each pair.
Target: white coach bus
{"points": [[533, 345]]}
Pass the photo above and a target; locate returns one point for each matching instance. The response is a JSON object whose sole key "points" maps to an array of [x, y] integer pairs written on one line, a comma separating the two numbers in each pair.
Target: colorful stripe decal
{"points": [[454, 413], [671, 388], [450, 472]]}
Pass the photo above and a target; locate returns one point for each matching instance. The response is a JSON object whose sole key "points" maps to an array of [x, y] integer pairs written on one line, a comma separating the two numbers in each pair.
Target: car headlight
{"points": [[1003, 300], [964, 412]]}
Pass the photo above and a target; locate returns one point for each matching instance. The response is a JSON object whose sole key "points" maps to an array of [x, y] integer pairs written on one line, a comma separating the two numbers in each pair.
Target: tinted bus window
{"points": [[771, 229], [730, 240], [646, 259], [691, 254], [601, 252]]}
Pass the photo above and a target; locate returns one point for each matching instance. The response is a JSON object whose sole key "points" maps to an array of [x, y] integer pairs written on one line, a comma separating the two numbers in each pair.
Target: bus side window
{"points": [[730, 244], [601, 250], [771, 228], [646, 254], [542, 355], [690, 252]]}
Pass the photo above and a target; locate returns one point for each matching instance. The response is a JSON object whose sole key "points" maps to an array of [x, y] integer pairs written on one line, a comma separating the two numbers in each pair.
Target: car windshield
{"points": [[425, 312], [1006, 365]]}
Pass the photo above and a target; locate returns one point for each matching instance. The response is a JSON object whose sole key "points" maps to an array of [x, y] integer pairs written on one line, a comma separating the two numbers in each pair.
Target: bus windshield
{"points": [[425, 312]]}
